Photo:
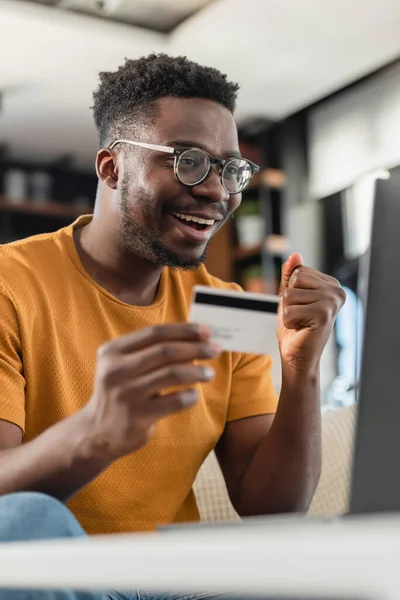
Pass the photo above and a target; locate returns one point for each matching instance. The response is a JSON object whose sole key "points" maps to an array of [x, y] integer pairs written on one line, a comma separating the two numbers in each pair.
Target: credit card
{"points": [[239, 321]]}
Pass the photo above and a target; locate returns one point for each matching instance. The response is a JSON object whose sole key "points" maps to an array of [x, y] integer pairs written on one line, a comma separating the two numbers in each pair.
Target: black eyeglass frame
{"points": [[177, 153]]}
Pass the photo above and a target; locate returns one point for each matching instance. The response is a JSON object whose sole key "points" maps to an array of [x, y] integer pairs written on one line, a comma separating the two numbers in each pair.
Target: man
{"points": [[110, 400]]}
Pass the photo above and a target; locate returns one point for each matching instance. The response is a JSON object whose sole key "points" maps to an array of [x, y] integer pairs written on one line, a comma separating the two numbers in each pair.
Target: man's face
{"points": [[150, 195]]}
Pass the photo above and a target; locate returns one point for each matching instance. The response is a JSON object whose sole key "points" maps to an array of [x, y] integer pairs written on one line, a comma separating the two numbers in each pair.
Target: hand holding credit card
{"points": [[239, 321]]}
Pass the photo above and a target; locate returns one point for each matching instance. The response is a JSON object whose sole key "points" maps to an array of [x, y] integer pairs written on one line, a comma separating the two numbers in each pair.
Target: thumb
{"points": [[295, 260]]}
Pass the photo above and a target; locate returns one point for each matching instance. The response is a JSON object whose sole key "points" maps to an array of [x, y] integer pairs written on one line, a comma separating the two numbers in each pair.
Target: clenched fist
{"points": [[310, 301]]}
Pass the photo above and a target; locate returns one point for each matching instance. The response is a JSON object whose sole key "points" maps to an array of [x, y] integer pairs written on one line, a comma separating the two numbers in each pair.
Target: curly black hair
{"points": [[126, 95]]}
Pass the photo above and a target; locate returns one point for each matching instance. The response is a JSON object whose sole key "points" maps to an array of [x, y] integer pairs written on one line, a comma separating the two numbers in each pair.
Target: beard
{"points": [[140, 241]]}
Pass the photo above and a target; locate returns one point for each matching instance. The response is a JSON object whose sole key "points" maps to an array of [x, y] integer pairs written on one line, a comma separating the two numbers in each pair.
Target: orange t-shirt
{"points": [[53, 318]]}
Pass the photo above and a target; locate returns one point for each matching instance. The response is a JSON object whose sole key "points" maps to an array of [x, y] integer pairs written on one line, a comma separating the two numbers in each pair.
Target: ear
{"points": [[106, 168]]}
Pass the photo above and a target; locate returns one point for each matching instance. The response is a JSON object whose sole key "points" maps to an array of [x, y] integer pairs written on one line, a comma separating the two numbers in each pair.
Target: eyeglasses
{"points": [[194, 165]]}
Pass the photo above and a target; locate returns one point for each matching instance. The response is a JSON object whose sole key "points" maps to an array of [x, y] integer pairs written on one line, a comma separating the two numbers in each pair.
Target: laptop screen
{"points": [[375, 483]]}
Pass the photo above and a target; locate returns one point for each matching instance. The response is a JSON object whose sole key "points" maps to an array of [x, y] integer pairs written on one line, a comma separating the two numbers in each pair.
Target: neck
{"points": [[130, 278]]}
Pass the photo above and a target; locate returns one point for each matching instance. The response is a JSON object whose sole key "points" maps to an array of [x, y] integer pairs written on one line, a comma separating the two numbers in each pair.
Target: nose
{"points": [[211, 188]]}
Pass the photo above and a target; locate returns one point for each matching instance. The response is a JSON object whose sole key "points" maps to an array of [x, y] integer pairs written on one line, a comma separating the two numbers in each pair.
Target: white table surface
{"points": [[355, 557]]}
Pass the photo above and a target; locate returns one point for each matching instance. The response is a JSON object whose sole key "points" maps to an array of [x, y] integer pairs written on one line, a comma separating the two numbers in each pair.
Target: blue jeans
{"points": [[34, 516]]}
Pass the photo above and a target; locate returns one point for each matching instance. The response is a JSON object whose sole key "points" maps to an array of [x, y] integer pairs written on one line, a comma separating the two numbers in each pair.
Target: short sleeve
{"points": [[12, 382], [252, 390]]}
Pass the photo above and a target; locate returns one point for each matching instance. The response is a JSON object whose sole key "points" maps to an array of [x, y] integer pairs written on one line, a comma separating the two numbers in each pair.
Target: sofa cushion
{"points": [[331, 496]]}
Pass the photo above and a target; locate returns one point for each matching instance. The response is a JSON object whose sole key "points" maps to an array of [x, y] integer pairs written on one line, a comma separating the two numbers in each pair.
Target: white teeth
{"points": [[195, 219]]}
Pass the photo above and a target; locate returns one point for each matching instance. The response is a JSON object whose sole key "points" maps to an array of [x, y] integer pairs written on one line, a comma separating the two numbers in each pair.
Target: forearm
{"points": [[58, 462], [285, 469]]}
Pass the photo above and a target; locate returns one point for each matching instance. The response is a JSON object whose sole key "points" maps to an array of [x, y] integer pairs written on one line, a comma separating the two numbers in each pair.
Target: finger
{"points": [[295, 296], [288, 267], [146, 386], [306, 281], [135, 364], [323, 276], [161, 406], [307, 317], [143, 338]]}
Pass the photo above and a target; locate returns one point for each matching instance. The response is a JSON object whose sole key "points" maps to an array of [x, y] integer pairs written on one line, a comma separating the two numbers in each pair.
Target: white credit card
{"points": [[239, 321]]}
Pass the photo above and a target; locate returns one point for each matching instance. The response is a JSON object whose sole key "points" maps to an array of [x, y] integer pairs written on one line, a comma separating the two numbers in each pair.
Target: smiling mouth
{"points": [[198, 223]]}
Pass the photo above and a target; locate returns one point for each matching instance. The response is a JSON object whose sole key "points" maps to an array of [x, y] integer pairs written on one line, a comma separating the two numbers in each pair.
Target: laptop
{"points": [[375, 485]]}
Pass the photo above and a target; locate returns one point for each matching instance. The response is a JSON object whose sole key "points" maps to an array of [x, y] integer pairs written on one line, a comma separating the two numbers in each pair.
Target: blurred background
{"points": [[319, 110]]}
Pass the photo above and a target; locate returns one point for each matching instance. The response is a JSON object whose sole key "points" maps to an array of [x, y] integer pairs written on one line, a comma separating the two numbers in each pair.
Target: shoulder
{"points": [[28, 259]]}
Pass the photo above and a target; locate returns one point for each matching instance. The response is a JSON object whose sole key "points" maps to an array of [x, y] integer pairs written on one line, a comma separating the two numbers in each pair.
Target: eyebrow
{"points": [[191, 144]]}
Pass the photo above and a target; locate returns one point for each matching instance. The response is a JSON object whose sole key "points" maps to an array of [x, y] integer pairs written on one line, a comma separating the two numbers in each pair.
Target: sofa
{"points": [[331, 497]]}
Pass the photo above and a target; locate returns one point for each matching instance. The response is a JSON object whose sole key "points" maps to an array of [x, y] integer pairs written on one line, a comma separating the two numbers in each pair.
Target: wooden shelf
{"points": [[272, 178], [275, 245], [55, 209], [240, 254]]}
